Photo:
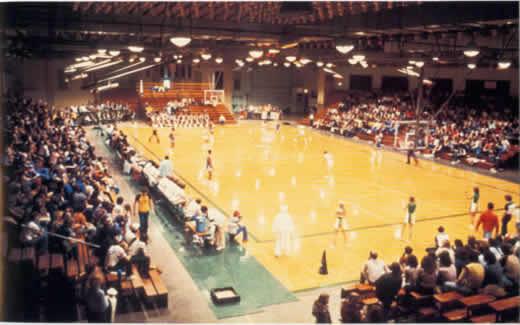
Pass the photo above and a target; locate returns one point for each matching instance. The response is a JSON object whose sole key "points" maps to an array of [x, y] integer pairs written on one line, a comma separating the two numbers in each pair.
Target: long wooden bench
{"points": [[445, 300], [29, 254], [44, 262], [503, 305], [456, 315], [489, 318], [57, 262], [160, 288]]}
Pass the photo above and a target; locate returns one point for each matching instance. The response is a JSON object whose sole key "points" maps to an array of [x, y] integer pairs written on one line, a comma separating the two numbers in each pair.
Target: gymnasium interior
{"points": [[260, 162]]}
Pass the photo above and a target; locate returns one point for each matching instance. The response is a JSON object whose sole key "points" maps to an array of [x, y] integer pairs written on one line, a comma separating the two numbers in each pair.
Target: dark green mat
{"points": [[231, 267]]}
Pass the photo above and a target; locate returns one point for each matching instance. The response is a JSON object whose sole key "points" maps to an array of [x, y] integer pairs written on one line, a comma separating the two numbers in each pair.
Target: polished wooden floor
{"points": [[257, 169]]}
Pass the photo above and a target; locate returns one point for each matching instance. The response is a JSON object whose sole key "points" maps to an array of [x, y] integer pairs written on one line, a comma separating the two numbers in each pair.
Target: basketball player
{"points": [[410, 153], [474, 207], [209, 165], [154, 135], [172, 138], [328, 159], [409, 219], [341, 224]]}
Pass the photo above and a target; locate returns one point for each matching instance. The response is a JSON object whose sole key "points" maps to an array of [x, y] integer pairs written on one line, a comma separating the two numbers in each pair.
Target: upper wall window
{"points": [[358, 82], [392, 84]]}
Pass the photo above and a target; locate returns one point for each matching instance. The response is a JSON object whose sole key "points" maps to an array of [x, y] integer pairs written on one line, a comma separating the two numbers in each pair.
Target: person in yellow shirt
{"points": [[143, 205]]}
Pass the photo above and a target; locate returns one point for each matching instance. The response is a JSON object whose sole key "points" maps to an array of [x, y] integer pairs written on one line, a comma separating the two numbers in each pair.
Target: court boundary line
{"points": [[382, 225], [395, 151], [265, 241]]}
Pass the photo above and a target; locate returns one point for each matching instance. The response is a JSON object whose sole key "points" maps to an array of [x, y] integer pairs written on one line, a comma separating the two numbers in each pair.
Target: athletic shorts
{"points": [[473, 207], [341, 224], [409, 218]]}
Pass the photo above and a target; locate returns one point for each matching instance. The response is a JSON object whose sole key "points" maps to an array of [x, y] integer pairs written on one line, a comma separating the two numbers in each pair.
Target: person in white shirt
{"points": [[441, 237], [134, 245], [192, 209], [165, 167], [373, 269], [283, 228], [117, 260]]}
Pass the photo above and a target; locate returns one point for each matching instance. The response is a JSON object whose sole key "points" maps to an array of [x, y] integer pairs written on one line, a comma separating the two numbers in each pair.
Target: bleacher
{"points": [[179, 91], [442, 307]]}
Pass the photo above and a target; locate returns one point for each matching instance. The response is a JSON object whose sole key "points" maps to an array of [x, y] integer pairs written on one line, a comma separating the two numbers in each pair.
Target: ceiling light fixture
{"points": [[196, 60], [472, 66], [337, 76], [344, 46], [114, 52], [358, 57], [135, 48], [256, 53], [108, 86], [329, 65], [286, 64], [471, 49], [102, 51], [435, 58], [419, 64], [305, 61], [101, 66], [274, 51], [180, 41], [157, 59], [329, 70], [319, 64], [249, 59], [205, 56], [290, 58], [179, 61], [364, 64], [352, 61], [219, 60], [502, 65], [80, 76]]}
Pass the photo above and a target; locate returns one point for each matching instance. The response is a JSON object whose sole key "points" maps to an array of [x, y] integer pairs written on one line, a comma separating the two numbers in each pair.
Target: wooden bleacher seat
{"points": [[427, 312], [160, 288], [447, 299], [57, 262], [29, 254], [456, 315], [15, 255], [150, 293], [137, 281], [489, 318], [72, 268], [504, 305], [419, 299], [44, 262]]}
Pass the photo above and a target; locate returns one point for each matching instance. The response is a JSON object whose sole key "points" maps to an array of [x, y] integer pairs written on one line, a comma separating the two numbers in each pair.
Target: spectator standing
{"points": [[388, 285], [143, 206], [489, 221], [320, 309]]}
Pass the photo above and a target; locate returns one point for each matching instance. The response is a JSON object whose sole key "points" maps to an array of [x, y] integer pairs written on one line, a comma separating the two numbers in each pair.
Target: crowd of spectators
{"points": [[465, 133], [107, 112], [489, 266], [60, 190]]}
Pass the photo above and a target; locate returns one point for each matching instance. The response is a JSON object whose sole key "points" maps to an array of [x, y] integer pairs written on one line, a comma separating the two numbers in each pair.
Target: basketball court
{"points": [[257, 169]]}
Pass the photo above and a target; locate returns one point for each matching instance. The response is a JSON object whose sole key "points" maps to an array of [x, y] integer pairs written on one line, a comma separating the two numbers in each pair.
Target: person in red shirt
{"points": [[489, 221]]}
